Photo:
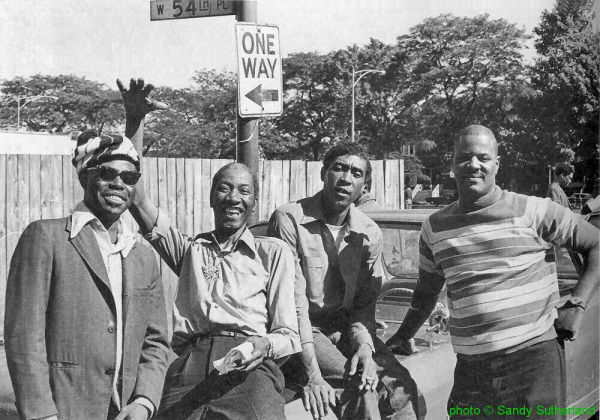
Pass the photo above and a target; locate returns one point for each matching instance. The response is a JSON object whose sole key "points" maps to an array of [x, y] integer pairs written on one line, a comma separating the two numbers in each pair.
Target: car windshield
{"points": [[401, 250]]}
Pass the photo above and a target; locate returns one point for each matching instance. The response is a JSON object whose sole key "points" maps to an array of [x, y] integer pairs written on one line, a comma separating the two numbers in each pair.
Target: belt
{"points": [[218, 333]]}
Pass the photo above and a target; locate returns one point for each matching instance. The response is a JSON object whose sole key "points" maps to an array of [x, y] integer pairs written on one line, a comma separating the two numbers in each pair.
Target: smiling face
{"points": [[107, 200], [475, 165], [343, 182], [232, 199]]}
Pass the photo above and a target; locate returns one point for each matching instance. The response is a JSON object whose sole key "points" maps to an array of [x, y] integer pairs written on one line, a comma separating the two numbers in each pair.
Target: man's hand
{"points": [[568, 322], [136, 99], [133, 411], [363, 360], [259, 352], [401, 345], [318, 396]]}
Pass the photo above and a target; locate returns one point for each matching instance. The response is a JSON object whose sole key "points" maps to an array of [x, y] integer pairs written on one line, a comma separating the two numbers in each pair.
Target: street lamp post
{"points": [[27, 100], [360, 74]]}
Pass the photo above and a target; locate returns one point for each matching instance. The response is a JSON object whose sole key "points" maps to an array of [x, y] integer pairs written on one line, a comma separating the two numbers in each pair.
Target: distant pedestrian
{"points": [[408, 193], [563, 175]]}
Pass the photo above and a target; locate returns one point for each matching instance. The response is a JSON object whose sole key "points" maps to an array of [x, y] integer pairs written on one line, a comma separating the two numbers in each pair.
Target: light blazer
{"points": [[58, 328]]}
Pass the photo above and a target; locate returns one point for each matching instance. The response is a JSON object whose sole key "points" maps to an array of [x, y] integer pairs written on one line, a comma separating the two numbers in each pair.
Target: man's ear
{"points": [[497, 161]]}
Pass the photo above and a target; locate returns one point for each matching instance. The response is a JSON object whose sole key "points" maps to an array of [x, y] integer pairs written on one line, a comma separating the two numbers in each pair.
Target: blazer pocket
{"points": [[57, 364]]}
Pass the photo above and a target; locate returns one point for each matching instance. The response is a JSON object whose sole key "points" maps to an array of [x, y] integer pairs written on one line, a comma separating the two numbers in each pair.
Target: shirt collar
{"points": [[313, 211], [82, 216], [246, 238]]}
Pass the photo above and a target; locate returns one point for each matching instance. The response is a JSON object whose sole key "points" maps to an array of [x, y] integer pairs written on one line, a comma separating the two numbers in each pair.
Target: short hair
{"points": [[218, 174], [349, 149], [564, 169], [476, 130]]}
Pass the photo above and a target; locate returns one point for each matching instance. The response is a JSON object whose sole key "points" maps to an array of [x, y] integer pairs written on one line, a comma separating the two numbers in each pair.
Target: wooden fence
{"points": [[34, 187]]}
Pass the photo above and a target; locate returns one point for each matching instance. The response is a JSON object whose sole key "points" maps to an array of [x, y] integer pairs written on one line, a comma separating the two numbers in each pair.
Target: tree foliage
{"points": [[66, 103], [445, 73]]}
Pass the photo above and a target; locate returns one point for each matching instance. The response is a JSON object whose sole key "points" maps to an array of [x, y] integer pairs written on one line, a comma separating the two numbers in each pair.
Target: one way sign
{"points": [[260, 84]]}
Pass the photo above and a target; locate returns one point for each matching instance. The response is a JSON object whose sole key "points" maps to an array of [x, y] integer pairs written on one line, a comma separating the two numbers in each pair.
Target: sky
{"points": [[106, 39]]}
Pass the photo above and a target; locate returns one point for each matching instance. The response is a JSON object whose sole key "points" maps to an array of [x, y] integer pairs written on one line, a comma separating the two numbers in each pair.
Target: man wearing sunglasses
{"points": [[233, 289], [86, 326]]}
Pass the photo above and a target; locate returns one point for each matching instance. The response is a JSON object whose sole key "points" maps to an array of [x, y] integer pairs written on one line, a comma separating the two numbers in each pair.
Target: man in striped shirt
{"points": [[490, 248]]}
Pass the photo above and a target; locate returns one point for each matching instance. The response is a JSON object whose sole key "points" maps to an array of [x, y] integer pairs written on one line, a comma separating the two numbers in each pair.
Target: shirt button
{"points": [[111, 327], [109, 370]]}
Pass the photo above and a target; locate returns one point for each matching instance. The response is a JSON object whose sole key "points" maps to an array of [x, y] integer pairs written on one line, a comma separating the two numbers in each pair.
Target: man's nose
{"points": [[474, 162], [117, 182], [233, 196], [346, 176]]}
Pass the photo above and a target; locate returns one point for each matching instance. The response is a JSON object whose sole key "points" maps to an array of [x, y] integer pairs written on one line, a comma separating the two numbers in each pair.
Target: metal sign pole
{"points": [[247, 128]]}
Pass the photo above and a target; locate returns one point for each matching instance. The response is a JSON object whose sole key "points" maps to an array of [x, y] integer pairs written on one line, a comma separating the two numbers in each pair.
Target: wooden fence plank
{"points": [[264, 190], [377, 185], [207, 213], [197, 194], [285, 182], [12, 203], [35, 192], [188, 198], [67, 185], [313, 178], [276, 188], [297, 185], [392, 187], [4, 264], [51, 167], [179, 195]]}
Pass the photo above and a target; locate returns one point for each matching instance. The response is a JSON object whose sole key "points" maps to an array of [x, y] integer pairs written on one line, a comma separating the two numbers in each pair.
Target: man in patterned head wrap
{"points": [[86, 327]]}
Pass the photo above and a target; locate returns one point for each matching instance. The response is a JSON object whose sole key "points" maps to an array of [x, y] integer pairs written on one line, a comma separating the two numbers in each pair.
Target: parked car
{"points": [[577, 200], [432, 367]]}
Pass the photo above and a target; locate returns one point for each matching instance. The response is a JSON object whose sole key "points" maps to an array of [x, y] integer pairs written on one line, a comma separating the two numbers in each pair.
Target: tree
{"points": [[566, 73], [200, 121], [79, 103], [311, 105], [464, 70]]}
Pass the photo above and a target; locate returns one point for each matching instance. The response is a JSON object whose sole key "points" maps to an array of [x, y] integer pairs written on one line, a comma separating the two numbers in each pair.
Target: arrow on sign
{"points": [[258, 96]]}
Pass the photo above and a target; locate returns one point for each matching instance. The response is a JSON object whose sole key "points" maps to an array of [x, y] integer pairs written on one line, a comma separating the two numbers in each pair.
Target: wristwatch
{"points": [[575, 302]]}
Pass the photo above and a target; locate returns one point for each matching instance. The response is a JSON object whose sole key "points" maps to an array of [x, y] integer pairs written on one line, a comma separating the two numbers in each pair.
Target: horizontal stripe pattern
{"points": [[502, 285]]}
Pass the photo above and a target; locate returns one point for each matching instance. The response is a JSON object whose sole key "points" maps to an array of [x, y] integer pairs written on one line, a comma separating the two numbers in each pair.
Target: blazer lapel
{"points": [[86, 245]]}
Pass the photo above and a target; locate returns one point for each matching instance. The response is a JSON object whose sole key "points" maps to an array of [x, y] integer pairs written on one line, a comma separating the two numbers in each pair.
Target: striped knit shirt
{"points": [[499, 268]]}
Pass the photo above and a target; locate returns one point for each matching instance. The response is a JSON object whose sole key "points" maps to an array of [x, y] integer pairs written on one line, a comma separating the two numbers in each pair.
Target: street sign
{"points": [[183, 9], [260, 83]]}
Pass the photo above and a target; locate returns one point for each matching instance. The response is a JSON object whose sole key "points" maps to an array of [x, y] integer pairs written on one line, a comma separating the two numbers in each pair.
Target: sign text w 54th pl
{"points": [[183, 9]]}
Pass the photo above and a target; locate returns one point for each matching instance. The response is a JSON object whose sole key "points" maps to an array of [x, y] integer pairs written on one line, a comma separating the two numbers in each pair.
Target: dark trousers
{"points": [[195, 390], [396, 396], [530, 377]]}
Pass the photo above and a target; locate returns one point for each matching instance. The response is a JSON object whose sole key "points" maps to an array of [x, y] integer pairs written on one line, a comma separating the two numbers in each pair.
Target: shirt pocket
{"points": [[313, 269], [244, 289]]}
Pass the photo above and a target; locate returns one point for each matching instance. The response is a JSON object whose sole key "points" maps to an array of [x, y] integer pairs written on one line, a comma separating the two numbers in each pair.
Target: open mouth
{"points": [[114, 199], [232, 211]]}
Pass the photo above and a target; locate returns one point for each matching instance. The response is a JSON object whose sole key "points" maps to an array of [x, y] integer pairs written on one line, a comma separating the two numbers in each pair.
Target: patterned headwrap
{"points": [[92, 150]]}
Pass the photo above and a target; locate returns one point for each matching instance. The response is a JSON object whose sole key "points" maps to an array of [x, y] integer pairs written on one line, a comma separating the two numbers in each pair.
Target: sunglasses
{"points": [[106, 173]]}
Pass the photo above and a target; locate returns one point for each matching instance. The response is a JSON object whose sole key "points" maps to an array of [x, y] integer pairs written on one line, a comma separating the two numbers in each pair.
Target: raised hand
{"points": [[136, 99]]}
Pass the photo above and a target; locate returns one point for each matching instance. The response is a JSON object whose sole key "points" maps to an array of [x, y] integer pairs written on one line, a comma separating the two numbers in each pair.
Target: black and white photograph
{"points": [[301, 210]]}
